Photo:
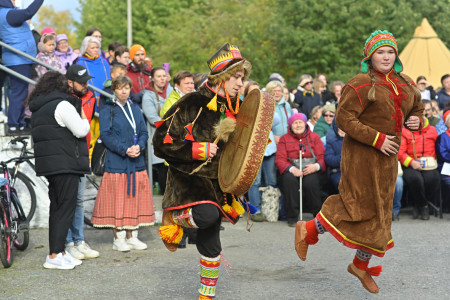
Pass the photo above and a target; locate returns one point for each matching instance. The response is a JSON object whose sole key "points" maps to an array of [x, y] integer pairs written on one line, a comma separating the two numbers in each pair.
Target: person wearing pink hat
{"points": [[300, 138], [48, 30], [374, 107]]}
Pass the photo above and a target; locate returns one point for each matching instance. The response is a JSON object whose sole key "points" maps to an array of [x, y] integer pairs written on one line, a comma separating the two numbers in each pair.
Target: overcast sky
{"points": [[72, 5]]}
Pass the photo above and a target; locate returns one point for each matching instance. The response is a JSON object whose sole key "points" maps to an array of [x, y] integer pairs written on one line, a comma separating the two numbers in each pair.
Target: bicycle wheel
{"points": [[5, 238], [24, 189], [90, 194], [22, 236]]}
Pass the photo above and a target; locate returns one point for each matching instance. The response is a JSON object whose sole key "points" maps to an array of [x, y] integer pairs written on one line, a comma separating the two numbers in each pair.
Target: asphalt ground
{"points": [[264, 266]]}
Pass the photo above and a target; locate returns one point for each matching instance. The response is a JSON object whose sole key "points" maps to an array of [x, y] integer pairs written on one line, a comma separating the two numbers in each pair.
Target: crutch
{"points": [[301, 147]]}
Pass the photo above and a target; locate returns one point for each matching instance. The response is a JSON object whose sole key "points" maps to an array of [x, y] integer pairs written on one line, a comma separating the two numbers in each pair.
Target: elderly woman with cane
{"points": [[374, 107], [296, 164]]}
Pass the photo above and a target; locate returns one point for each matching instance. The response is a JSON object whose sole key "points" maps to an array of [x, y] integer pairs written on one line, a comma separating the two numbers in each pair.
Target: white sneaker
{"points": [[120, 244], [70, 248], [135, 244], [59, 262], [72, 259], [87, 252]]}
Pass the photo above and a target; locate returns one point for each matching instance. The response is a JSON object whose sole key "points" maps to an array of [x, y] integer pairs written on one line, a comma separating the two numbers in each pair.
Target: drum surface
{"points": [[244, 152]]}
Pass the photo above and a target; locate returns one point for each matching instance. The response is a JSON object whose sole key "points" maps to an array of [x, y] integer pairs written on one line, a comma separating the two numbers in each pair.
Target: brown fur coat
{"points": [[183, 188], [360, 216]]}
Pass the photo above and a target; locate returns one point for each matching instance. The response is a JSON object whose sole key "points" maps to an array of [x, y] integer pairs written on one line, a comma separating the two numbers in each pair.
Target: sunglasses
{"points": [[309, 82], [328, 116]]}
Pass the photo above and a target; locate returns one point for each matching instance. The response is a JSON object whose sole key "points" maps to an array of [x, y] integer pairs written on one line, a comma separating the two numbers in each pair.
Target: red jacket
{"points": [[141, 79], [425, 141], [88, 103], [288, 147]]}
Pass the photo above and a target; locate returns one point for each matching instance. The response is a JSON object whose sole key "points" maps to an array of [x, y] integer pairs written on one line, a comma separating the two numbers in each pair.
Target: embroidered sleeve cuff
{"points": [[407, 161], [200, 151], [379, 140]]}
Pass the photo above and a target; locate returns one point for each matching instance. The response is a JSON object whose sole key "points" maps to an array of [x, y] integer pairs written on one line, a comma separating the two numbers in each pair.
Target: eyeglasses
{"points": [[97, 36], [422, 83], [277, 91], [328, 116]]}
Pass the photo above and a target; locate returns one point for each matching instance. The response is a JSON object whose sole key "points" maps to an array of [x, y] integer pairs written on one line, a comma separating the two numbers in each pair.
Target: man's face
{"points": [[446, 84], [139, 58], [233, 84], [124, 58], [186, 85], [427, 110], [78, 88]]}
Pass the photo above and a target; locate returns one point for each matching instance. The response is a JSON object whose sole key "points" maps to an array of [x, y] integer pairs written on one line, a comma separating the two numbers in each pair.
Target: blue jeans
{"points": [[17, 96], [269, 173], [75, 233], [397, 203]]}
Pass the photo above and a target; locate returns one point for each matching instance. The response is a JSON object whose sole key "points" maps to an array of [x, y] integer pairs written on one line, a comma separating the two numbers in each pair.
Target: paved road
{"points": [[264, 266]]}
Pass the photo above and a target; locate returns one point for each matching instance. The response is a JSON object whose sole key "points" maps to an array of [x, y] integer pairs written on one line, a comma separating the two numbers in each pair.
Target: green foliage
{"points": [[290, 37], [61, 22]]}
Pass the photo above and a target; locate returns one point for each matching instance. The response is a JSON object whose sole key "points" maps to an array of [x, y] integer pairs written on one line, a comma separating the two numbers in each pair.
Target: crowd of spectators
{"points": [[303, 121]]}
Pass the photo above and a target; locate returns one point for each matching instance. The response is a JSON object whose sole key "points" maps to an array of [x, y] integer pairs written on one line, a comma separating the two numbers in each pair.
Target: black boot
{"points": [[424, 213]]}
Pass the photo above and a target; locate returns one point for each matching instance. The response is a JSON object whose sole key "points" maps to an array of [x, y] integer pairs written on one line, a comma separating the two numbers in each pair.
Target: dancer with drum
{"points": [[193, 197], [374, 107]]}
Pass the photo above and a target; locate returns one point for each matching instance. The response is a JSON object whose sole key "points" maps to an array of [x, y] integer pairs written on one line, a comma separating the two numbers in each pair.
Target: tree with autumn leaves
{"points": [[290, 37]]}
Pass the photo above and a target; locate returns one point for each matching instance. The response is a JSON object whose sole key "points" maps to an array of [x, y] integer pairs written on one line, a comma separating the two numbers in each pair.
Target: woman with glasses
{"points": [[322, 125], [306, 98], [283, 110], [426, 90], [64, 51]]}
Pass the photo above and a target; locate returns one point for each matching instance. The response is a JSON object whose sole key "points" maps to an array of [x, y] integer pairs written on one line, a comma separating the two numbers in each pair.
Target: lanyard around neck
{"points": [[131, 121]]}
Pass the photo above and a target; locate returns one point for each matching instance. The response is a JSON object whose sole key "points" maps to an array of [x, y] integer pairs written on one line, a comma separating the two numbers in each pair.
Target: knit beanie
{"points": [[48, 30], [134, 49], [329, 107], [297, 116], [61, 37], [376, 40], [446, 116]]}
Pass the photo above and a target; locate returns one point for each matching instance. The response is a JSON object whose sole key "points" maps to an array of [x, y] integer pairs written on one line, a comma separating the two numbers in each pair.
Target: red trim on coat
{"points": [[202, 202], [380, 141], [360, 101], [347, 242]]}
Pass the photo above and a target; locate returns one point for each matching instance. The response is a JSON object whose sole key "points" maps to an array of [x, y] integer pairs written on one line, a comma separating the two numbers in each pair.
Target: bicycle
{"points": [[14, 224], [26, 156]]}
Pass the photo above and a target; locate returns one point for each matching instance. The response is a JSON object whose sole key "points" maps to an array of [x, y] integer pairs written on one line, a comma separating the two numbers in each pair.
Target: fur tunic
{"points": [[182, 188], [360, 216]]}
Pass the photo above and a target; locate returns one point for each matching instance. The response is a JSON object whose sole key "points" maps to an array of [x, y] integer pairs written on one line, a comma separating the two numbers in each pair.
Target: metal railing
{"points": [[30, 81], [8, 70]]}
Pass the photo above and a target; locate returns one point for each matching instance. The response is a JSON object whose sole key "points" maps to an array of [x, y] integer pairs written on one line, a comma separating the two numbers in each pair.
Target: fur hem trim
{"points": [[243, 65]]}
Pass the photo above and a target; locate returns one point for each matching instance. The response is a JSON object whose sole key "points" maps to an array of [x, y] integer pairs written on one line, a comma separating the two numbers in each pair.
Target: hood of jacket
{"points": [[40, 100], [6, 4]]}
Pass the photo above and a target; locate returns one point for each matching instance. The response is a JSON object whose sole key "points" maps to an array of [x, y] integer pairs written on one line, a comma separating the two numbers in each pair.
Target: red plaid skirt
{"points": [[114, 208]]}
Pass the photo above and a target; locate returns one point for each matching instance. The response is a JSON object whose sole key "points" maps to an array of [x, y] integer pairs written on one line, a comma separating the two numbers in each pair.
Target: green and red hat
{"points": [[376, 40]]}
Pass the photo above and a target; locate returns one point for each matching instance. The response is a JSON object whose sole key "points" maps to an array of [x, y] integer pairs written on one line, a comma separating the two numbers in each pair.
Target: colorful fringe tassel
{"points": [[171, 233]]}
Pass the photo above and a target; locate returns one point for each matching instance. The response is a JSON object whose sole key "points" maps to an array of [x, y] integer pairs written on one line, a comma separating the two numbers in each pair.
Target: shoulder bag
{"points": [[99, 153], [428, 162]]}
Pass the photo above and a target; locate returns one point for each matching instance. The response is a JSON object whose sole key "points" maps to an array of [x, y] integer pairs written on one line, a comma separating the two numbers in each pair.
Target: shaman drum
{"points": [[243, 154]]}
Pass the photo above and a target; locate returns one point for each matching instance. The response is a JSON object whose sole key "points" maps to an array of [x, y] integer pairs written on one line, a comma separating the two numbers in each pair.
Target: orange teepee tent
{"points": [[426, 55]]}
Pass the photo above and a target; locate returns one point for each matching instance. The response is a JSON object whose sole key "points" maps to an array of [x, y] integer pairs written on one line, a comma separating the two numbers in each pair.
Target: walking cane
{"points": [[301, 147]]}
